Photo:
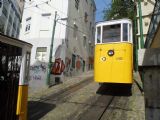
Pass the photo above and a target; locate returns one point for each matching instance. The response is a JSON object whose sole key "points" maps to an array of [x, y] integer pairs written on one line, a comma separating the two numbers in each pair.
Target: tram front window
{"points": [[111, 33]]}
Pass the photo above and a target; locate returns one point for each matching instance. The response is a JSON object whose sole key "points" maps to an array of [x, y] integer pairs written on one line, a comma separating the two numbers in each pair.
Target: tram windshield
{"points": [[111, 33]]}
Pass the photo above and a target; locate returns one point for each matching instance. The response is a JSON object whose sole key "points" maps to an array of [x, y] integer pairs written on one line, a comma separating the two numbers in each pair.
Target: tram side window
{"points": [[125, 32], [111, 33], [98, 34], [130, 34]]}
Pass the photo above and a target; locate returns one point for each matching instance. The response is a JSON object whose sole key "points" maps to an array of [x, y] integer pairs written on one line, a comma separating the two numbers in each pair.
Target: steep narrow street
{"points": [[88, 100]]}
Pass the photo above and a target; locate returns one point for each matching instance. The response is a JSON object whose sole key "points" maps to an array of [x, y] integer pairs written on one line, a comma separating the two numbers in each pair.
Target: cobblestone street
{"points": [[80, 98]]}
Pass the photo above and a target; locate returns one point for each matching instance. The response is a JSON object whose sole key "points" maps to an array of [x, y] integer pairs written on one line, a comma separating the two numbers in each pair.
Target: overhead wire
{"points": [[36, 5], [62, 23], [76, 18], [72, 28], [47, 3]]}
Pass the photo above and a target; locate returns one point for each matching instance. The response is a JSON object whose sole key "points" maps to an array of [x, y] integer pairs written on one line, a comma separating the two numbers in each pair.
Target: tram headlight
{"points": [[103, 58], [110, 52]]}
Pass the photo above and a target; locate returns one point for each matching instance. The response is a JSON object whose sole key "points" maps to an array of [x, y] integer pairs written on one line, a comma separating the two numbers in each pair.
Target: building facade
{"points": [[73, 38], [11, 15], [147, 7], [80, 39]]}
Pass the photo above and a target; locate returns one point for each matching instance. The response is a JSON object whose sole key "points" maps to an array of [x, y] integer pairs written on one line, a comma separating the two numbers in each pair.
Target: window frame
{"points": [[28, 24], [110, 25], [123, 39], [41, 52], [75, 32], [114, 22], [77, 4], [84, 41], [97, 35], [86, 17]]}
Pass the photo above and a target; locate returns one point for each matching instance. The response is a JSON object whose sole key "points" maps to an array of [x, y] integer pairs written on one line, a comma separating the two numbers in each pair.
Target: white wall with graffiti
{"points": [[38, 73], [71, 47]]}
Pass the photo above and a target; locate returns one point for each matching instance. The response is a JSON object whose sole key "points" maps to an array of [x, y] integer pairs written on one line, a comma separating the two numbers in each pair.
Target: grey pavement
{"points": [[72, 106], [127, 108], [68, 81]]}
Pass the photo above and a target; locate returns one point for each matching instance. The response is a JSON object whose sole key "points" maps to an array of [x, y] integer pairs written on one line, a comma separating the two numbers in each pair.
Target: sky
{"points": [[100, 5]]}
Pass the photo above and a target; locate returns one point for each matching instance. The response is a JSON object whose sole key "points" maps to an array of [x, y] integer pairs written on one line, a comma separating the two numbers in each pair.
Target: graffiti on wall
{"points": [[58, 67], [36, 77], [68, 63], [76, 63], [38, 68], [38, 71], [68, 68], [91, 62]]}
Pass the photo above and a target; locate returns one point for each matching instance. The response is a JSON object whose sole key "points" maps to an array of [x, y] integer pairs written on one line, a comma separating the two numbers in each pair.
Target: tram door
{"points": [[10, 61]]}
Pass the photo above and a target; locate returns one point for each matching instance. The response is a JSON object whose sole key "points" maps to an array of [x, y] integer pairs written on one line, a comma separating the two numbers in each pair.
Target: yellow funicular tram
{"points": [[113, 60], [14, 78]]}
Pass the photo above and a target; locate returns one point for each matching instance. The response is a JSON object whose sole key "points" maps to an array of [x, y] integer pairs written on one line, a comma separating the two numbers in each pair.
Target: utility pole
{"points": [[135, 39], [140, 23], [51, 50]]}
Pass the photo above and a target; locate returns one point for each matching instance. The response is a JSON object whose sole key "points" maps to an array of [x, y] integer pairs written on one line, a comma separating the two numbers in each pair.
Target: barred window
{"points": [[86, 17], [73, 60], [84, 41], [5, 12], [77, 4], [75, 32], [28, 24]]}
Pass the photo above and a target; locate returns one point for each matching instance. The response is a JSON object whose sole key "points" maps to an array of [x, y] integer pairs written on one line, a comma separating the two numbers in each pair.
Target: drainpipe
{"points": [[135, 45], [135, 40]]}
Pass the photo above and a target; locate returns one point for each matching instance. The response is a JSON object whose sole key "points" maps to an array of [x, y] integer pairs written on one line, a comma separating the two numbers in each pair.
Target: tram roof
{"points": [[110, 22], [13, 40]]}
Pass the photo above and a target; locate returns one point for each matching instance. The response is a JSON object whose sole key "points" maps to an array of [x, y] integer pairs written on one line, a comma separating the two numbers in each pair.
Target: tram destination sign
{"points": [[149, 57]]}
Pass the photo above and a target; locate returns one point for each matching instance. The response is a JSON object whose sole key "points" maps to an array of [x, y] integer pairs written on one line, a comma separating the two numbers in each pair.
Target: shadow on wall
{"points": [[149, 66]]}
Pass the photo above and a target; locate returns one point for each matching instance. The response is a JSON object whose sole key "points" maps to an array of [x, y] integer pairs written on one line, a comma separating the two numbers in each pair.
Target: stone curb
{"points": [[138, 81]]}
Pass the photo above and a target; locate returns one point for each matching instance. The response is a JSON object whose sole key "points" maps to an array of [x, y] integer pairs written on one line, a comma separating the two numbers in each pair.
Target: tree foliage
{"points": [[120, 9]]}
